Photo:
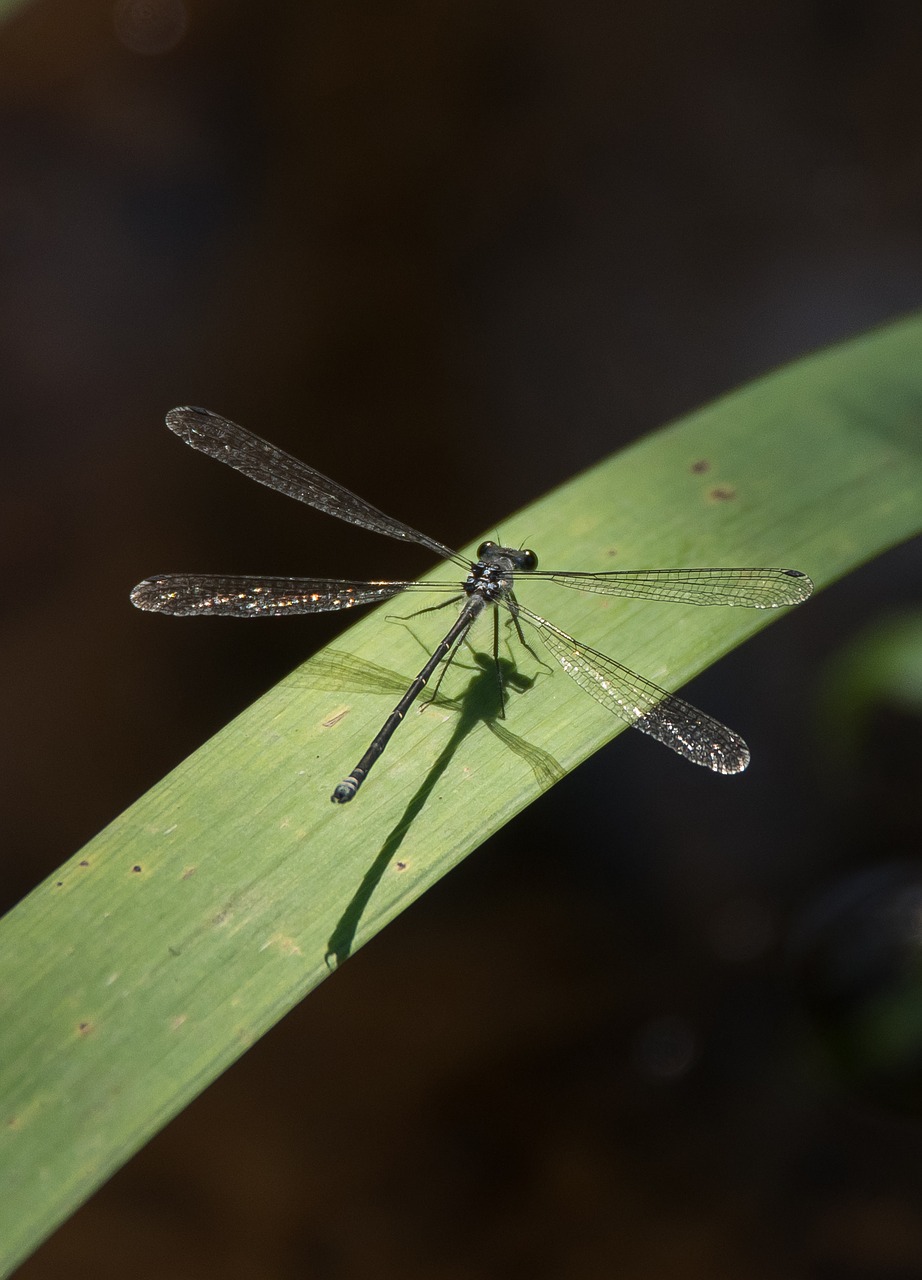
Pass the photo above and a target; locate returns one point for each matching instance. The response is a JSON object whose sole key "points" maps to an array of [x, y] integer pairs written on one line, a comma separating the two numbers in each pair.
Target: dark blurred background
{"points": [[635, 1034]]}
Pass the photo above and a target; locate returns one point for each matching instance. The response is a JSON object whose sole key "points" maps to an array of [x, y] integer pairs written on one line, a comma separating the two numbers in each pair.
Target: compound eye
{"points": [[484, 549], [529, 560]]}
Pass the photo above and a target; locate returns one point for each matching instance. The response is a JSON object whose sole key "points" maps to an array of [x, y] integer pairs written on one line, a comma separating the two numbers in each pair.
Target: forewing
{"points": [[752, 588], [267, 464]]}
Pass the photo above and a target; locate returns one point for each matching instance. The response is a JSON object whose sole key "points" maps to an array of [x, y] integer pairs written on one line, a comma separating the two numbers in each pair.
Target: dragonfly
{"points": [[485, 583]]}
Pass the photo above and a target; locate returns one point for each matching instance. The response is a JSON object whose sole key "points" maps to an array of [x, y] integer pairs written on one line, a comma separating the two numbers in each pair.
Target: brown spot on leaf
{"points": [[722, 493], [698, 468]]}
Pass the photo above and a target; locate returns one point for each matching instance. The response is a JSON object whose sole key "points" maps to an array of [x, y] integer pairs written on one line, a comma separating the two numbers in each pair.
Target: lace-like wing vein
{"points": [[640, 703], [239, 596], [752, 588], [259, 460]]}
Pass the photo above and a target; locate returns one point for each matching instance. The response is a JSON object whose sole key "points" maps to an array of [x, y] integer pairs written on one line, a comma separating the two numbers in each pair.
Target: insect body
{"points": [[490, 582]]}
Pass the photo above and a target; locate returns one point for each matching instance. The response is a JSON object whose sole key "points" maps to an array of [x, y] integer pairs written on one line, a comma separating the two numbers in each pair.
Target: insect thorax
{"points": [[492, 582]]}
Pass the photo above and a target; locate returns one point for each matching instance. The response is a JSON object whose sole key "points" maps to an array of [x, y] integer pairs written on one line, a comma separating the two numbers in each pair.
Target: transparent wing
{"points": [[188, 595], [261, 461], [639, 702], [754, 588]]}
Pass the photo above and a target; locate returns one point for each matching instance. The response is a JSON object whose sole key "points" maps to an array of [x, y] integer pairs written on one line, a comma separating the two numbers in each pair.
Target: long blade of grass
{"points": [[154, 957]]}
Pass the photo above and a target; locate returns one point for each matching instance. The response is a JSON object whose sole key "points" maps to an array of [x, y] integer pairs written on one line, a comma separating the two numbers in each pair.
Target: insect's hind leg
{"points": [[497, 667]]}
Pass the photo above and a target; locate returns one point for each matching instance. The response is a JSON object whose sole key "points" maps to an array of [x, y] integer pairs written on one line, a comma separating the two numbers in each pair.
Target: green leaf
{"points": [[151, 960], [881, 666]]}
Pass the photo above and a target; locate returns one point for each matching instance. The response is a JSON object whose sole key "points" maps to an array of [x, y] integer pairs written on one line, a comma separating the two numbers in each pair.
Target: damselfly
{"points": [[488, 580]]}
